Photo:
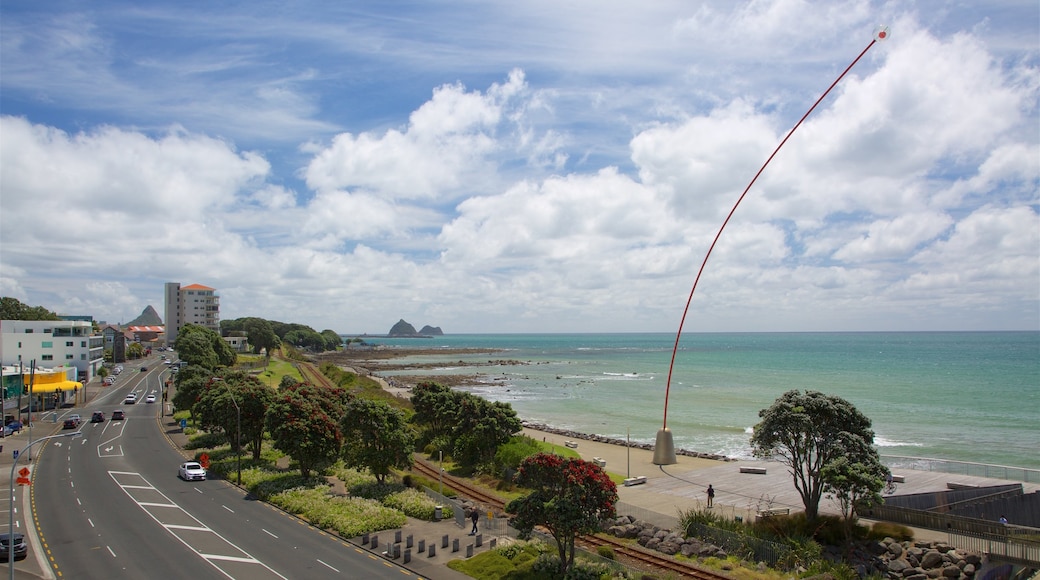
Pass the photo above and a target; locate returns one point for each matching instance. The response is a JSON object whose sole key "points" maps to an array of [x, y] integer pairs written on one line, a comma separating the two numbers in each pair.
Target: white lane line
{"points": [[91, 522], [227, 508], [269, 533], [110, 551], [329, 567], [210, 558]]}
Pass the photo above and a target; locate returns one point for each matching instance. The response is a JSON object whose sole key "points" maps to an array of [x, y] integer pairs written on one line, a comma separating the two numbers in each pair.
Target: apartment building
{"points": [[192, 304]]}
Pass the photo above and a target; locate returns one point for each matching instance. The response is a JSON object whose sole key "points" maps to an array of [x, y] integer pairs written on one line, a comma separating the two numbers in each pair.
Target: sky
{"points": [[537, 166]]}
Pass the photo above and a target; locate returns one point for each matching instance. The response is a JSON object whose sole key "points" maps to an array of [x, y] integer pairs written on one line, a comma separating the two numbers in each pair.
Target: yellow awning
{"points": [[40, 387]]}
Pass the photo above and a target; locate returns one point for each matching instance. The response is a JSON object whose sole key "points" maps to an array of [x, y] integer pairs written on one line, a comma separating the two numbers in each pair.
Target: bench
{"points": [[955, 485], [570, 444], [898, 478], [635, 481], [599, 461], [755, 470], [774, 512]]}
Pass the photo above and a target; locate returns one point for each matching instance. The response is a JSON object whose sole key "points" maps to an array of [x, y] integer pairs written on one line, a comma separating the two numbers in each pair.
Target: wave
{"points": [[882, 442]]}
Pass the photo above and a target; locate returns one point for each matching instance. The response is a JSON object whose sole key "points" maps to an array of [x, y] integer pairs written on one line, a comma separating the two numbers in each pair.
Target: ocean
{"points": [[960, 396]]}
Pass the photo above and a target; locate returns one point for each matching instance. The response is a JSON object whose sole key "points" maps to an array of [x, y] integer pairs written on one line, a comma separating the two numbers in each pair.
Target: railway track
{"points": [[624, 551]]}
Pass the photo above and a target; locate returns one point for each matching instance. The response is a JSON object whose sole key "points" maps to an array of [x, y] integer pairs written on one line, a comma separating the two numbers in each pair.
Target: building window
{"points": [[46, 344], [48, 330], [69, 357], [82, 357], [47, 357], [28, 331], [70, 343], [83, 344]]}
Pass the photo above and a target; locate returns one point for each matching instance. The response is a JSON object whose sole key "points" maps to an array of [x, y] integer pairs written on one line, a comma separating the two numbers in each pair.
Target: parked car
{"points": [[144, 369], [191, 470], [12, 428], [149, 399], [20, 548], [109, 381], [118, 415], [97, 417]]}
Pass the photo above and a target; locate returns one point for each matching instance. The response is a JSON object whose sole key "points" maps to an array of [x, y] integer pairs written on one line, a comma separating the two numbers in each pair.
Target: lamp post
{"points": [[10, 515], [238, 439]]}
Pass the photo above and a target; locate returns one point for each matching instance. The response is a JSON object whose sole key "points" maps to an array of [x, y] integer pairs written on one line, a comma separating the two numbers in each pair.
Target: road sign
{"points": [[15, 452], [184, 423], [23, 476], [204, 460]]}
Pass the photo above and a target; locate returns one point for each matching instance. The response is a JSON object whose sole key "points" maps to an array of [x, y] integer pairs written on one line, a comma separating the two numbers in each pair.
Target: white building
{"points": [[52, 343], [193, 304]]}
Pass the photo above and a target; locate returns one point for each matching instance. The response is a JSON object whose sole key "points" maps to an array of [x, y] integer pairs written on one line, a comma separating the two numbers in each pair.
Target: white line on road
{"points": [[110, 551], [91, 522], [329, 567], [269, 533], [227, 508]]}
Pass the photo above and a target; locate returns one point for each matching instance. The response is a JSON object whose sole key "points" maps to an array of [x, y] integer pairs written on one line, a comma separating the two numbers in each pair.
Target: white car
{"points": [[149, 399], [191, 470], [130, 399]]}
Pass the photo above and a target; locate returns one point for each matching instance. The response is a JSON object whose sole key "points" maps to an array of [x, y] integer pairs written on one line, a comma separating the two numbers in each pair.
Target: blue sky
{"points": [[525, 167]]}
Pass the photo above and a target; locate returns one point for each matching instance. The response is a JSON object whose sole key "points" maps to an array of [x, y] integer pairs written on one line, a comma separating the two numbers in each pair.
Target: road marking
{"points": [[194, 537], [227, 508], [91, 522], [110, 551], [329, 567], [269, 533]]}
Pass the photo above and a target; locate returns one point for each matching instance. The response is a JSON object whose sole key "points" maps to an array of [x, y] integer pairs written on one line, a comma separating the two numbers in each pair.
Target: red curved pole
{"points": [[668, 385]]}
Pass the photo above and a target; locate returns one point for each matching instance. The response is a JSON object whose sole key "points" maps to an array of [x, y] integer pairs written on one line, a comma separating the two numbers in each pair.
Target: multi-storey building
{"points": [[66, 351], [193, 304]]}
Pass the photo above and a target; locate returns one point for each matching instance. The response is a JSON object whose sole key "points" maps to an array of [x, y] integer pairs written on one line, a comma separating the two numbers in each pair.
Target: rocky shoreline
{"points": [[612, 441]]}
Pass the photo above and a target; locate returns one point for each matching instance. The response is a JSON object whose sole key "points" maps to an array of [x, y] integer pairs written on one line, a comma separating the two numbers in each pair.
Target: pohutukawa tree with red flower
{"points": [[570, 497]]}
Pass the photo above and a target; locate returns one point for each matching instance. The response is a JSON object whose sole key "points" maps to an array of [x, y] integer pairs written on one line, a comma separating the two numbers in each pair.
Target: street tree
{"points": [[569, 498], [807, 431], [301, 427], [376, 437], [216, 409]]}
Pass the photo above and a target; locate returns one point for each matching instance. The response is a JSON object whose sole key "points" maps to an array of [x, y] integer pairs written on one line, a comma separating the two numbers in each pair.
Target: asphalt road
{"points": [[109, 504]]}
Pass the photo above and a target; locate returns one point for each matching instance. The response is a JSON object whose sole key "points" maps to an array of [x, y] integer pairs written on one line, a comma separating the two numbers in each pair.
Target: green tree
{"points": [[854, 480], [14, 309], [332, 339], [481, 428], [201, 346], [569, 498], [190, 382], [134, 351], [377, 437], [301, 427], [807, 431], [216, 410], [436, 408], [261, 336]]}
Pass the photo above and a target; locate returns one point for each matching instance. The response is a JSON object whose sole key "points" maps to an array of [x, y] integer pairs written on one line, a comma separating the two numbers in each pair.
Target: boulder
{"points": [[932, 559]]}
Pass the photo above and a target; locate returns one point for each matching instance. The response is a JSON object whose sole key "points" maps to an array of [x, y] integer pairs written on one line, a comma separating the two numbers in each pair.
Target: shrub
{"points": [[606, 552], [413, 503], [882, 530], [349, 516]]}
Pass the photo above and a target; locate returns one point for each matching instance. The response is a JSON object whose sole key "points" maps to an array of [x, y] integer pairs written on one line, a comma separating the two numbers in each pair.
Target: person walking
{"points": [[475, 516], [711, 495]]}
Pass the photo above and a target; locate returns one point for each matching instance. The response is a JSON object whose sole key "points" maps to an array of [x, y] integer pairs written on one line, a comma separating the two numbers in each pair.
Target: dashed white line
{"points": [[269, 533], [227, 508], [91, 522], [329, 567], [110, 551]]}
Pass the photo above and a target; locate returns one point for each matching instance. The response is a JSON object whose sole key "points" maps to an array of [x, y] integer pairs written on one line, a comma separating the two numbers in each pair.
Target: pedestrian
{"points": [[475, 516], [711, 495], [1003, 520]]}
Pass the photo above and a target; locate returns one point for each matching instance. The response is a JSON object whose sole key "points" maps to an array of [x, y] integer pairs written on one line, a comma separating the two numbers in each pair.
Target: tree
{"points": [[806, 432], [190, 382], [332, 339], [201, 346], [377, 437], [134, 350], [482, 426], [855, 480], [570, 498], [302, 429], [14, 309], [215, 408]]}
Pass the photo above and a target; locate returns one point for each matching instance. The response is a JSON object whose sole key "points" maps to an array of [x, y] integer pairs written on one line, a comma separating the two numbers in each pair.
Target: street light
{"points": [[10, 529]]}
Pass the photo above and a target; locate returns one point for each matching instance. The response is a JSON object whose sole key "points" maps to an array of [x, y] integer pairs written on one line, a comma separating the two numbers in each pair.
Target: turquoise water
{"points": [[965, 396]]}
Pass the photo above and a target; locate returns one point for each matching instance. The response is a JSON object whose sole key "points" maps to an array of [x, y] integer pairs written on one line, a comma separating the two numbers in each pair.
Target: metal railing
{"points": [[1007, 472]]}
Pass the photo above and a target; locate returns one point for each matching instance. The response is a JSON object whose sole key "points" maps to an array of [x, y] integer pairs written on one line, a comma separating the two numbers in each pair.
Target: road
{"points": [[109, 503]]}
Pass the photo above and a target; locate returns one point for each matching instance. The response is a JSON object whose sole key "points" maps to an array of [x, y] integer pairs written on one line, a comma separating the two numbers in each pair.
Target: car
{"points": [[69, 424], [12, 428], [75, 417], [144, 369], [191, 470], [20, 548], [131, 399], [109, 381], [97, 417], [167, 362], [118, 415], [149, 399]]}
